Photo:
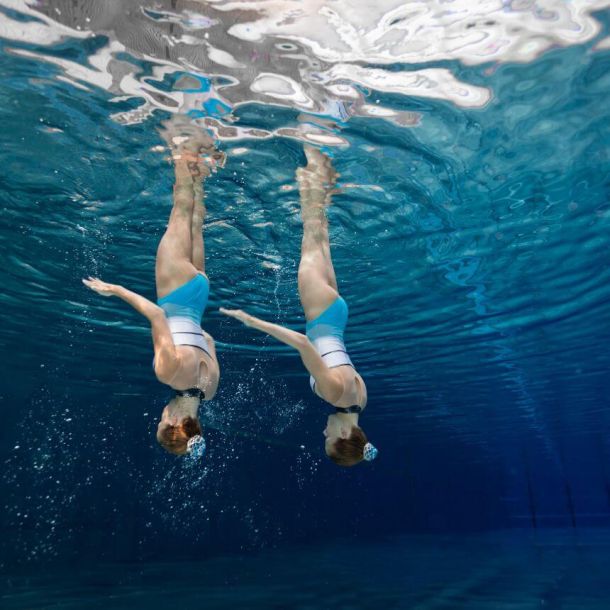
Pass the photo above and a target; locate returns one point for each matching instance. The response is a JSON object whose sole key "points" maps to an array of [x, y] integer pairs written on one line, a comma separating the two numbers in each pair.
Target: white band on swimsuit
{"points": [[187, 332], [333, 352]]}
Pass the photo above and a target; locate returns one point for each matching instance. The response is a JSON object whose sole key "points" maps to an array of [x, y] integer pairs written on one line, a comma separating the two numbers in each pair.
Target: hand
{"points": [[240, 315], [103, 288]]}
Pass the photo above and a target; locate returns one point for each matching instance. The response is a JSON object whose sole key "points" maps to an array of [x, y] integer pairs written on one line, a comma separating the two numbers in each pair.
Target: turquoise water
{"points": [[469, 237]]}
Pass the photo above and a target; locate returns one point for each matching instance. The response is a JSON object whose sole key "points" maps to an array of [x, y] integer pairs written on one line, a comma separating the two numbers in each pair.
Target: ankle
{"points": [[313, 218]]}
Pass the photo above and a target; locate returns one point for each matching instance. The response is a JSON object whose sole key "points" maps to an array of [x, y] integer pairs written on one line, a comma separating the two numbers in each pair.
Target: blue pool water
{"points": [[469, 237], [504, 570]]}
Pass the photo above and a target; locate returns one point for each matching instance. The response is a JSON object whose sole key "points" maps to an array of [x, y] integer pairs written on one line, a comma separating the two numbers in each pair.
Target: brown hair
{"points": [[349, 451], [175, 438]]}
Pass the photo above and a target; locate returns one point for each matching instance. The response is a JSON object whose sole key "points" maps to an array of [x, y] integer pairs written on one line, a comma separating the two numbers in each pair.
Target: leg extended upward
{"points": [[316, 278], [180, 255]]}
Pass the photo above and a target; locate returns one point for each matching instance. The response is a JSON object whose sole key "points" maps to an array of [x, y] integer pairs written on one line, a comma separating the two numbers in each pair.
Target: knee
{"points": [[311, 261], [307, 267]]}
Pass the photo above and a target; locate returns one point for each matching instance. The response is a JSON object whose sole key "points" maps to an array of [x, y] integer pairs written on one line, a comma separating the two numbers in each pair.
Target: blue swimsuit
{"points": [[326, 333], [188, 300], [184, 309]]}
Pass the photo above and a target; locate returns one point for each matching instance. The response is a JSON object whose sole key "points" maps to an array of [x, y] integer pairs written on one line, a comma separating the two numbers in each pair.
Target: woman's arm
{"points": [[141, 304], [330, 386], [166, 356]]}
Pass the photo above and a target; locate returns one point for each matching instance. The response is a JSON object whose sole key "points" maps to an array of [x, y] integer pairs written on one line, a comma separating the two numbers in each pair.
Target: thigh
{"points": [[173, 265], [316, 291]]}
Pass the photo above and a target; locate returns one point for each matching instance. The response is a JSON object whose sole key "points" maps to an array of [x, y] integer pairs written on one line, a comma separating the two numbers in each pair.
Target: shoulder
{"points": [[362, 391], [209, 373], [166, 368], [329, 385]]}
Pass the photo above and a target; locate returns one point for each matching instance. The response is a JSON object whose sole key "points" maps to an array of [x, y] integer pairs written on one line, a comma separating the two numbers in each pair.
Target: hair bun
{"points": [[369, 452], [196, 446]]}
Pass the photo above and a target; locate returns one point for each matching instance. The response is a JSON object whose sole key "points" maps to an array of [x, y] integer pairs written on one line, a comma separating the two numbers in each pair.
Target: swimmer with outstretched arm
{"points": [[333, 377], [185, 355]]}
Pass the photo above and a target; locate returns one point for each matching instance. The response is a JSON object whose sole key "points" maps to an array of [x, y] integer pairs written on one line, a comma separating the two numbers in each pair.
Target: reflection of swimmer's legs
{"points": [[197, 244], [317, 281], [174, 265]]}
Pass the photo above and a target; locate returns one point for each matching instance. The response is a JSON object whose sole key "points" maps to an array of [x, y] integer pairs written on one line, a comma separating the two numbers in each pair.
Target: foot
{"points": [[317, 180], [191, 146]]}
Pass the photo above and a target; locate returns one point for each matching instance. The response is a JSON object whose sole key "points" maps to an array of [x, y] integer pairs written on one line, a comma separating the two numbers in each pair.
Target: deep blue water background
{"points": [[478, 283]]}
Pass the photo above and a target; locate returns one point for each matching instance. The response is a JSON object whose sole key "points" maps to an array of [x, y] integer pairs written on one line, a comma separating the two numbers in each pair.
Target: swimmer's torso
{"points": [[197, 370], [326, 334], [184, 308]]}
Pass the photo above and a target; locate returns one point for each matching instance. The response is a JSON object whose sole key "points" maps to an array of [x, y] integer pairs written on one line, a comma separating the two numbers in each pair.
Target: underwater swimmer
{"points": [[185, 355], [333, 377]]}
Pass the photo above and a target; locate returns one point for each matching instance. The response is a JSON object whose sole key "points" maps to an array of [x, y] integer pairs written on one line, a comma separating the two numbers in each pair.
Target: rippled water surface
{"points": [[469, 237]]}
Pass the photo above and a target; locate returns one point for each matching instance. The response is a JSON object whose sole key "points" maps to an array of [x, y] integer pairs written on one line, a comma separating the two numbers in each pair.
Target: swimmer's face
{"points": [[164, 422], [335, 429]]}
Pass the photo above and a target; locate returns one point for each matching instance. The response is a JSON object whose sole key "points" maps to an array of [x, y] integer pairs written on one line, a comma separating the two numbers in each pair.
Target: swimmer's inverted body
{"points": [[333, 376], [184, 354]]}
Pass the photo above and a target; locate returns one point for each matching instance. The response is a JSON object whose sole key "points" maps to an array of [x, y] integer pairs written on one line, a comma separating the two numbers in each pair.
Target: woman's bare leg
{"points": [[213, 160], [180, 252], [173, 265], [198, 217], [317, 281]]}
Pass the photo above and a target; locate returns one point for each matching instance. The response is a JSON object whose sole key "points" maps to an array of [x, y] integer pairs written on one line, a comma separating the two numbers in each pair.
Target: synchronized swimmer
{"points": [[185, 355], [333, 376]]}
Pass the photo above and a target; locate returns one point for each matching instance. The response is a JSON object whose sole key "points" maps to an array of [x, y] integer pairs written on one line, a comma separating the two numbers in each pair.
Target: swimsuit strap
{"points": [[352, 409], [191, 393]]}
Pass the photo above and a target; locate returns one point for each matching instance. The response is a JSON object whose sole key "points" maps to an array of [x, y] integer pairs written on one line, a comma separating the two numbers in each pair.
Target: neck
{"points": [[350, 419], [184, 406]]}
